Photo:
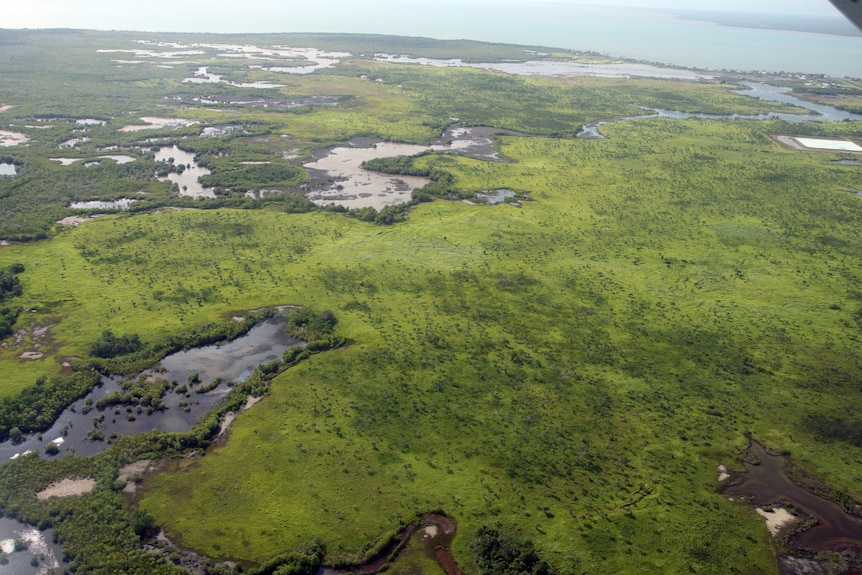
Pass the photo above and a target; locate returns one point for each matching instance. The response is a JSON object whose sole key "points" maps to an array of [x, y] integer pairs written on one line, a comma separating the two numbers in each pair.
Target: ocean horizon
{"points": [[689, 38]]}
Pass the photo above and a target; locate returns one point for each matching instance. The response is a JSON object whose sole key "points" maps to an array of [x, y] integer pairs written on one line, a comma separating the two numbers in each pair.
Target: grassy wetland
{"points": [[565, 373]]}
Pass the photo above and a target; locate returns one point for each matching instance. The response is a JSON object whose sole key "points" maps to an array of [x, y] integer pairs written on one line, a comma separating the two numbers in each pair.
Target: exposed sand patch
{"points": [[73, 142], [4, 107], [40, 332], [230, 416], [776, 519], [67, 488], [132, 469], [153, 123], [8, 139], [722, 473], [67, 161], [430, 532], [120, 159], [202, 76], [127, 473], [76, 220], [143, 53]]}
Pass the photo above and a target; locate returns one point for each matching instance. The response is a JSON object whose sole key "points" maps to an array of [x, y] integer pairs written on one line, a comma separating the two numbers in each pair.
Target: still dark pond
{"points": [[232, 361]]}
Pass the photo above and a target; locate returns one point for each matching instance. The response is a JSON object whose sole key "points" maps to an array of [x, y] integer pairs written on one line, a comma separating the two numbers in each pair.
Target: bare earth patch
{"points": [[130, 471], [776, 519], [12, 138], [67, 488], [75, 220], [231, 416], [157, 123]]}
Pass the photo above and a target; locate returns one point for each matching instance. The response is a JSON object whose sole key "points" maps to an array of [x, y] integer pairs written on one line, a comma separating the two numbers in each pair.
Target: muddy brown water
{"points": [[188, 181], [767, 483], [338, 178], [233, 360], [435, 533]]}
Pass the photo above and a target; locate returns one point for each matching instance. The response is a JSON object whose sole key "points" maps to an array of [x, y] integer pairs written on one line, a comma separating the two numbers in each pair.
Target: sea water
{"points": [[683, 37]]}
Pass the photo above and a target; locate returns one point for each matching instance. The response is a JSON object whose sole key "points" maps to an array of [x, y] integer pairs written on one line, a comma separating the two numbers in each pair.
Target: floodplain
{"points": [[559, 374]]}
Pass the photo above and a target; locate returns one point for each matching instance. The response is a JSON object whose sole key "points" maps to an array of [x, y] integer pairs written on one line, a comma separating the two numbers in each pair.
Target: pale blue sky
{"points": [[295, 15]]}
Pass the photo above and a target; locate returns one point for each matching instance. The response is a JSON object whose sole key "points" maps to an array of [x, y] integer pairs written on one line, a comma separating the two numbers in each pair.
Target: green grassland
{"points": [[540, 367], [571, 371]]}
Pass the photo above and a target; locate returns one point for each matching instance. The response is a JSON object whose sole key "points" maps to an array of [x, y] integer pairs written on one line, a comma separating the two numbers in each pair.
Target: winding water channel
{"points": [[766, 483], [432, 535], [759, 90]]}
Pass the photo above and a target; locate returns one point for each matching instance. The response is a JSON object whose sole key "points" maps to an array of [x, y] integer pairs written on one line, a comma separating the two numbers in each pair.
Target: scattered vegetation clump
{"points": [[296, 203], [385, 217], [499, 554], [835, 427], [110, 345], [304, 562], [142, 393], [37, 407], [316, 328], [8, 317], [10, 284], [256, 176], [401, 165]]}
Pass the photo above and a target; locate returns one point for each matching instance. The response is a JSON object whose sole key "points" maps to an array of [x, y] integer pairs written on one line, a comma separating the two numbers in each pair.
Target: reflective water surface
{"points": [[230, 360]]}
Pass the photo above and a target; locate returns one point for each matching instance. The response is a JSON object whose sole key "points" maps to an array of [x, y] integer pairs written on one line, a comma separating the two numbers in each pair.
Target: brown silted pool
{"points": [[765, 482], [434, 532]]}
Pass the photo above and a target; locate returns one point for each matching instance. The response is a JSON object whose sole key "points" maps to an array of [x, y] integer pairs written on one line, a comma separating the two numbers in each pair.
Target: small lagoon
{"points": [[229, 361]]}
